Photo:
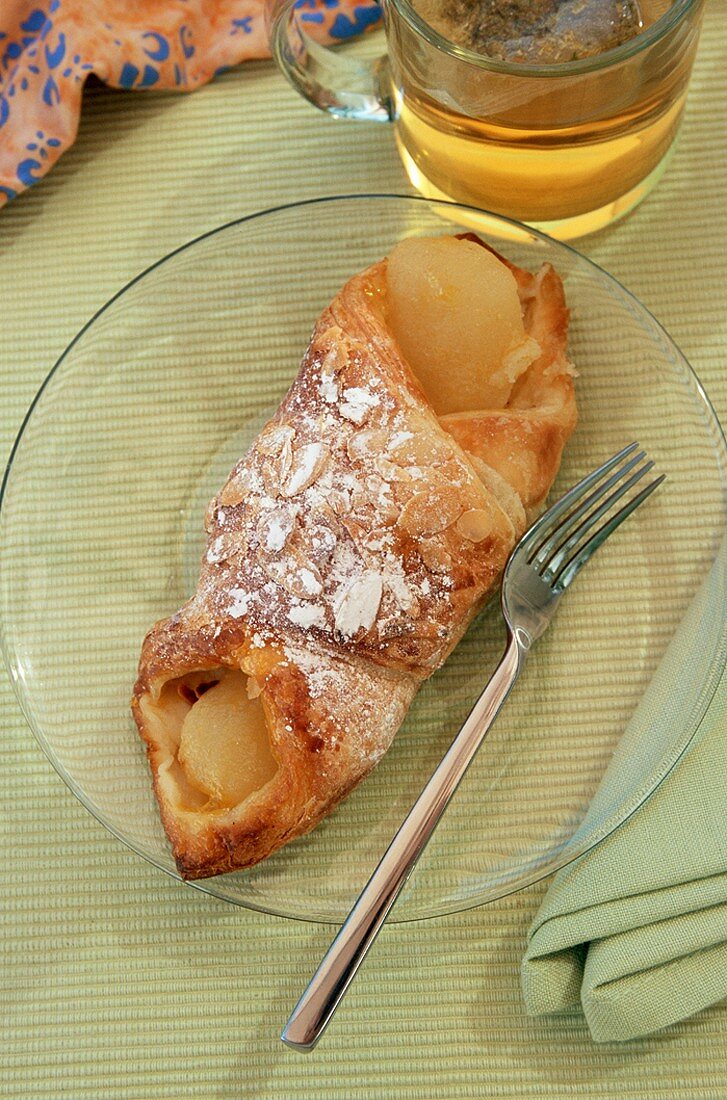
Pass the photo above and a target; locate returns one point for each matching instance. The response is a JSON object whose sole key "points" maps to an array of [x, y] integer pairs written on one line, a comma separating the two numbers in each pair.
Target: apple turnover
{"points": [[352, 546]]}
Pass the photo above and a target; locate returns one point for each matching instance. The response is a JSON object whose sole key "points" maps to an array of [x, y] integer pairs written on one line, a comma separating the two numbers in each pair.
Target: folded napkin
{"points": [[48, 50], [637, 928]]}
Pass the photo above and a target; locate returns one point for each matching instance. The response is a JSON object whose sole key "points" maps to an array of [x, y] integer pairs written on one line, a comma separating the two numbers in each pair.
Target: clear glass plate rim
{"points": [[461, 905]]}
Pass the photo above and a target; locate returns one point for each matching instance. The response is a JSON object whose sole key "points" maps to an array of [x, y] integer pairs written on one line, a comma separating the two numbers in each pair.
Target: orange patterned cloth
{"points": [[48, 50]]}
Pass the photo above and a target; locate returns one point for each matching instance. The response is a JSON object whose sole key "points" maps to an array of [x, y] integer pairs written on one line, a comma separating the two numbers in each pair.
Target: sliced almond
{"points": [[361, 500], [435, 555], [276, 467], [236, 489], [402, 594], [475, 524], [271, 478], [385, 500], [427, 513], [210, 517], [275, 528], [320, 543], [380, 538], [286, 457], [297, 575], [339, 501], [387, 510], [419, 449], [228, 544], [336, 358], [272, 441], [391, 471], [369, 442], [357, 605], [306, 466]]}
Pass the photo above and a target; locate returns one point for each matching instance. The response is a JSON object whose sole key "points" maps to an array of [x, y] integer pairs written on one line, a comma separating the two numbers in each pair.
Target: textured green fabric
{"points": [[117, 983], [637, 929]]}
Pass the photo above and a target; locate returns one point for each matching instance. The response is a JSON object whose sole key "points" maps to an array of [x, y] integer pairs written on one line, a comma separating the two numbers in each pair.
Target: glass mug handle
{"points": [[342, 86]]}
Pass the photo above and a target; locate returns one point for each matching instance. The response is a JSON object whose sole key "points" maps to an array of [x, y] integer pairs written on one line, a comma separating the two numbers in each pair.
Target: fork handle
{"points": [[348, 950]]}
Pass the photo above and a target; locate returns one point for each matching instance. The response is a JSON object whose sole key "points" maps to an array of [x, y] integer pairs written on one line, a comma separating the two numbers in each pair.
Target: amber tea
{"points": [[535, 157], [559, 113]]}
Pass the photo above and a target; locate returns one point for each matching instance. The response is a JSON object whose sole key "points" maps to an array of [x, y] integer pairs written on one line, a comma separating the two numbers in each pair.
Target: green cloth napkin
{"points": [[637, 928]]}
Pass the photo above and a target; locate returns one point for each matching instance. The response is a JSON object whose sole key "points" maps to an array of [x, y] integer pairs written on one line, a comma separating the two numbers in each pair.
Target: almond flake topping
{"points": [[367, 442], [428, 513], [241, 602], [311, 614], [236, 489], [216, 551], [310, 582], [276, 527], [357, 605], [357, 403], [475, 524], [272, 441], [398, 438], [402, 593], [329, 389], [307, 462], [435, 555], [298, 576], [286, 458]]}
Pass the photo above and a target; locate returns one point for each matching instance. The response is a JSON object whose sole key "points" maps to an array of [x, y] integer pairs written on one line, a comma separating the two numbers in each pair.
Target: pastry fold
{"points": [[346, 555]]}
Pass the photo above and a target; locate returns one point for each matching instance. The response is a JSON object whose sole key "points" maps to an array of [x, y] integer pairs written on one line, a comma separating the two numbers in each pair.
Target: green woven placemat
{"points": [[118, 982]]}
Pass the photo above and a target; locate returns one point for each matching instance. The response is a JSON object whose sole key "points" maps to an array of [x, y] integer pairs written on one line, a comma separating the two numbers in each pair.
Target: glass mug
{"points": [[567, 147]]}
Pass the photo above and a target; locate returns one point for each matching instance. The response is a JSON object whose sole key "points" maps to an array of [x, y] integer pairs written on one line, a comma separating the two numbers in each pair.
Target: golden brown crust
{"points": [[346, 555]]}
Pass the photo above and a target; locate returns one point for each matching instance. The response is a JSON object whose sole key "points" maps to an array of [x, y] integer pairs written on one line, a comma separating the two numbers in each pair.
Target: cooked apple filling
{"points": [[454, 310], [219, 736]]}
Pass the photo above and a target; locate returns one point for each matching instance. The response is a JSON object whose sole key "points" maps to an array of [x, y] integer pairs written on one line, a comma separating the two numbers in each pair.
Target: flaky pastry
{"points": [[352, 546]]}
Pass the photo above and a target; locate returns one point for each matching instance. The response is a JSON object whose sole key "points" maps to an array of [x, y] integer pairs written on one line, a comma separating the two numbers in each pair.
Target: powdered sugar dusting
{"points": [[240, 603], [350, 540], [328, 389], [357, 402], [334, 534], [357, 604], [361, 704], [276, 537], [214, 553], [306, 467], [310, 614], [310, 582], [276, 527], [398, 438]]}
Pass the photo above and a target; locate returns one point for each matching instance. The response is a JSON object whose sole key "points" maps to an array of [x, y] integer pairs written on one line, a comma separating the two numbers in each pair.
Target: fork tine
{"points": [[574, 534], [573, 567], [564, 528], [551, 519]]}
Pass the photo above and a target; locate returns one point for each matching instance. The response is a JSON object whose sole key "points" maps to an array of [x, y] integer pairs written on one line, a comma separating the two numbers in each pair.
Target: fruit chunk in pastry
{"points": [[352, 546]]}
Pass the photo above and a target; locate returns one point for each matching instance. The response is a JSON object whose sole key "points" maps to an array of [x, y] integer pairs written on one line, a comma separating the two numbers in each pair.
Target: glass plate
{"points": [[101, 529]]}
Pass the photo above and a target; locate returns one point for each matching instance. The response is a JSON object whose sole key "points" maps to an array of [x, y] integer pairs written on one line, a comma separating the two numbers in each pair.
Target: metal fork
{"points": [[541, 567]]}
